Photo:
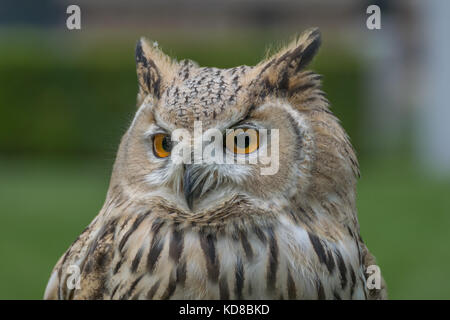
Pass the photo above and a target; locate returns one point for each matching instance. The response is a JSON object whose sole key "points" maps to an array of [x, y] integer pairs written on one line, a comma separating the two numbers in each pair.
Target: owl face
{"points": [[274, 106]]}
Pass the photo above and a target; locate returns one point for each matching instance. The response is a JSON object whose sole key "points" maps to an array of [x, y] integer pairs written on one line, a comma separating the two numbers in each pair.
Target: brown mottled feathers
{"points": [[290, 235]]}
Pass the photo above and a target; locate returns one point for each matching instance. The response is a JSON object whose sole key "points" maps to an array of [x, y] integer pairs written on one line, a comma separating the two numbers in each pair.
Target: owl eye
{"points": [[162, 145], [243, 140]]}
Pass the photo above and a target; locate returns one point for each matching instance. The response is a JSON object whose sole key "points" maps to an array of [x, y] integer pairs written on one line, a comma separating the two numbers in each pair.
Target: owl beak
{"points": [[197, 181], [189, 183]]}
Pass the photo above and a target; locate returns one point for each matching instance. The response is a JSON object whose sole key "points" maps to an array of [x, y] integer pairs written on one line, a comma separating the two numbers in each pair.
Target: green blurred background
{"points": [[66, 97]]}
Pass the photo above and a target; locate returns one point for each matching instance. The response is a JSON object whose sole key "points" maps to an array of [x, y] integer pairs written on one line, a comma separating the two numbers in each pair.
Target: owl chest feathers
{"points": [[150, 257]]}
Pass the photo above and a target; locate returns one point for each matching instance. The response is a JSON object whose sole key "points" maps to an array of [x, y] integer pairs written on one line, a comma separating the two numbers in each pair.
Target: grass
{"points": [[44, 206], [404, 219]]}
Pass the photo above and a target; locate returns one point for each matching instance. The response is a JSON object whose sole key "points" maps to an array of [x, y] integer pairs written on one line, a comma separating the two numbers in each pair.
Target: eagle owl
{"points": [[171, 230]]}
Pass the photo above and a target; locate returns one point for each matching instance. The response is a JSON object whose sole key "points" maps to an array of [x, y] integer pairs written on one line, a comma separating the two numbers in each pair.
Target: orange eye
{"points": [[162, 145], [243, 140]]}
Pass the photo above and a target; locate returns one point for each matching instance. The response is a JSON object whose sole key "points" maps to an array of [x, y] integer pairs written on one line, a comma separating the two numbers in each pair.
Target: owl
{"points": [[207, 230]]}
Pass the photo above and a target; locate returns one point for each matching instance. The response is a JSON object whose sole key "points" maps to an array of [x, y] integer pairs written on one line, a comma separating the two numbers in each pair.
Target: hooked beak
{"points": [[191, 187]]}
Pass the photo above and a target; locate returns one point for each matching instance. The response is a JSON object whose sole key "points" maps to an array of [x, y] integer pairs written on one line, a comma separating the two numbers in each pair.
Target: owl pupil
{"points": [[167, 143], [246, 142]]}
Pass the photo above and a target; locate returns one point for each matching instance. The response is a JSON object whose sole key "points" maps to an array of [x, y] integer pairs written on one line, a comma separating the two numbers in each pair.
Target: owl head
{"points": [[315, 161]]}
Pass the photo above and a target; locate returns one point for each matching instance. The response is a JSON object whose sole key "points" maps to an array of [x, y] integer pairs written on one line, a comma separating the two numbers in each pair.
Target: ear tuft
{"points": [[153, 68], [310, 41], [282, 66]]}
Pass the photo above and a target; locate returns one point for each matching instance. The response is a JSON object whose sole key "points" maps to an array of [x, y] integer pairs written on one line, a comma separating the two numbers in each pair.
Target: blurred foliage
{"points": [[404, 218], [64, 94]]}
